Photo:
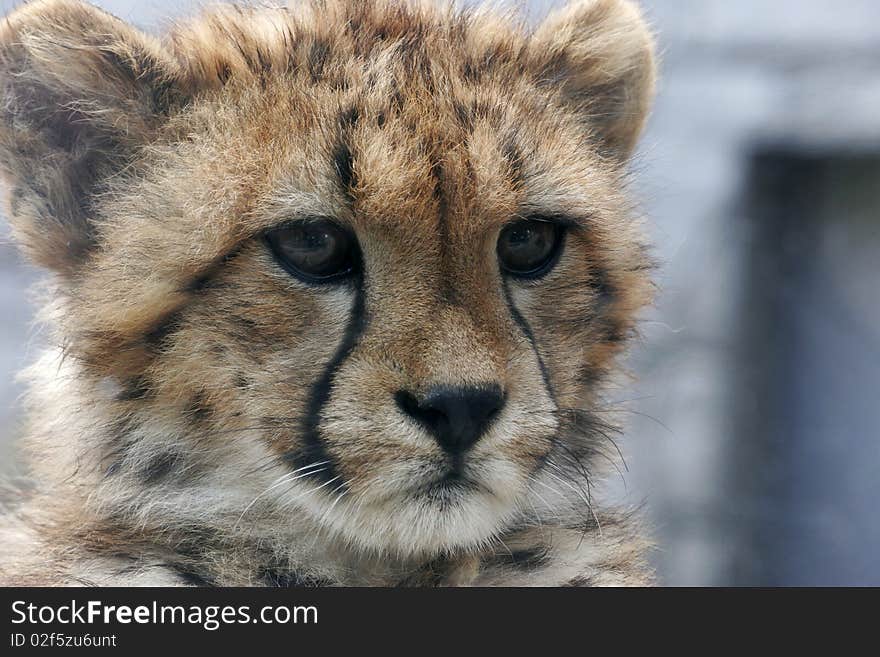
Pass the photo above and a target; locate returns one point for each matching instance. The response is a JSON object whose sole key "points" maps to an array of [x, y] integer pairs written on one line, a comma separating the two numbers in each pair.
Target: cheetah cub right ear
{"points": [[81, 92], [601, 54]]}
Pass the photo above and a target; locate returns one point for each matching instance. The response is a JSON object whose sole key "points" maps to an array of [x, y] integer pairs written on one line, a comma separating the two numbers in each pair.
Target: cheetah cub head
{"points": [[356, 267]]}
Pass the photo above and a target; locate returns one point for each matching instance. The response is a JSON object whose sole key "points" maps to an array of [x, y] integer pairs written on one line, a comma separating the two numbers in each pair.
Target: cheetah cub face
{"points": [[360, 266]]}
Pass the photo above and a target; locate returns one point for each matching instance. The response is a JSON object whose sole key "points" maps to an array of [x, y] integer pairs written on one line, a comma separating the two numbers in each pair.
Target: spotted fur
{"points": [[204, 418]]}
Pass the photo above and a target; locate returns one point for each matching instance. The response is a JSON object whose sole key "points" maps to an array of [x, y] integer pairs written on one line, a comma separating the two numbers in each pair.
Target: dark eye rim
{"points": [[355, 260], [561, 229]]}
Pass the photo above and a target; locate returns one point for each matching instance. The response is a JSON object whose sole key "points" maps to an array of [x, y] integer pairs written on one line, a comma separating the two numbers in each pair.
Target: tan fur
{"points": [[163, 426]]}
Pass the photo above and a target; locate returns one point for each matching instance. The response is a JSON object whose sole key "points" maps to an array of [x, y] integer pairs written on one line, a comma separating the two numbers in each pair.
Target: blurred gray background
{"points": [[754, 427]]}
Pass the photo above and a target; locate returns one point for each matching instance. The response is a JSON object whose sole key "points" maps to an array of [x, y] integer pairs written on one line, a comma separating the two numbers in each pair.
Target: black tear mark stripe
{"points": [[530, 336], [314, 449]]}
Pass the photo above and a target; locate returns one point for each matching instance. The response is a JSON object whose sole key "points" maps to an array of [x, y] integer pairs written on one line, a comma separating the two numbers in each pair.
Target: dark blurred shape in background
{"points": [[754, 429]]}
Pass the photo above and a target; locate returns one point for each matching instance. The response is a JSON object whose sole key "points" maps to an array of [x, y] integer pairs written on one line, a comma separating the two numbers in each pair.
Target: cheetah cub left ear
{"points": [[81, 92]]}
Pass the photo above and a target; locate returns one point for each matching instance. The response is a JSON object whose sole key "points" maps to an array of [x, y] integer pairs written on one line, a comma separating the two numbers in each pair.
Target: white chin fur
{"points": [[416, 526]]}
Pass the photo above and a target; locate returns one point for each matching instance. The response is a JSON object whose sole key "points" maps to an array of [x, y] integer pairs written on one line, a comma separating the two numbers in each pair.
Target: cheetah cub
{"points": [[334, 293]]}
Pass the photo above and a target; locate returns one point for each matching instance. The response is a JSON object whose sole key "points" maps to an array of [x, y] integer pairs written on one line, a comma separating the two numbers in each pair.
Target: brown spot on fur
{"points": [[319, 53], [135, 389], [199, 409], [578, 582], [161, 467]]}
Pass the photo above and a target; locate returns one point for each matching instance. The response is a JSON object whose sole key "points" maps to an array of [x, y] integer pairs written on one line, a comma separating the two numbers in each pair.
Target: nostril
{"points": [[409, 404], [456, 416], [406, 402]]}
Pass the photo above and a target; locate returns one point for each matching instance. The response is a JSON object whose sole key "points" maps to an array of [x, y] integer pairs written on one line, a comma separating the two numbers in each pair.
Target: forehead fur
{"points": [[384, 113], [427, 124]]}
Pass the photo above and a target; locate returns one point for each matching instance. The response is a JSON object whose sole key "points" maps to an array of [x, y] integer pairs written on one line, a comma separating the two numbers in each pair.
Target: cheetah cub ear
{"points": [[600, 54], [80, 90]]}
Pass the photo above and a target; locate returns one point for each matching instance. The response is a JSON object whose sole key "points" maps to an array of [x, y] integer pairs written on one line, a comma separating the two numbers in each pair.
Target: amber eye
{"points": [[529, 248], [315, 250]]}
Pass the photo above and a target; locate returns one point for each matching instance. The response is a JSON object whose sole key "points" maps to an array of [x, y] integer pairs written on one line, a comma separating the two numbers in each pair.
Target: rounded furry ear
{"points": [[81, 90], [601, 55]]}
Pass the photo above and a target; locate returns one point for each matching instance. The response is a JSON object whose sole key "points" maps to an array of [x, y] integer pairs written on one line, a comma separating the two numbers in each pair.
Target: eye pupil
{"points": [[528, 248], [316, 251], [520, 236]]}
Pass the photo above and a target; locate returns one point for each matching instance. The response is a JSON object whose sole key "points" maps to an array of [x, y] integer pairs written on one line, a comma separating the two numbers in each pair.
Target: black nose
{"points": [[455, 416]]}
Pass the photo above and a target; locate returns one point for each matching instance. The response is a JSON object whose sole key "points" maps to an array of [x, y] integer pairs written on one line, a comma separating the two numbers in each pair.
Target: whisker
{"points": [[313, 490], [284, 479], [587, 497]]}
